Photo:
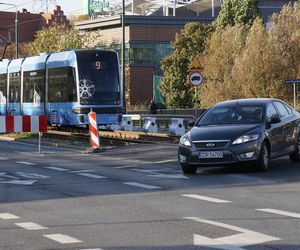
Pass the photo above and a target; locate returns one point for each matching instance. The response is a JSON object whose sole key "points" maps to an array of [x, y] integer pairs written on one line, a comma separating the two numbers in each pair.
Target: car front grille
{"points": [[210, 144]]}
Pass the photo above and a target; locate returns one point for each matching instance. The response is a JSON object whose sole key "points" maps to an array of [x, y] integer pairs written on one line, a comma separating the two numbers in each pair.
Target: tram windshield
{"points": [[99, 82]]}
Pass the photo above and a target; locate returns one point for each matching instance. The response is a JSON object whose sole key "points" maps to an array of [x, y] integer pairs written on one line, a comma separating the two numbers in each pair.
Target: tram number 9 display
{"points": [[99, 65]]}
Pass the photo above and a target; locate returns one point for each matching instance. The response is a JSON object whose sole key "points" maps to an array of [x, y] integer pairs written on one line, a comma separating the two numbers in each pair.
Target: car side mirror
{"points": [[275, 119], [191, 123]]}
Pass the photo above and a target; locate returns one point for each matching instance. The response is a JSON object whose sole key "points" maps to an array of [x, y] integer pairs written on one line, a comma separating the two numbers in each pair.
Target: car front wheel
{"points": [[263, 161], [188, 169], [295, 156]]}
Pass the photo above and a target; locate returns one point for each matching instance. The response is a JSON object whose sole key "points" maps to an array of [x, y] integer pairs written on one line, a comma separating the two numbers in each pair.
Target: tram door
{"points": [[34, 92]]}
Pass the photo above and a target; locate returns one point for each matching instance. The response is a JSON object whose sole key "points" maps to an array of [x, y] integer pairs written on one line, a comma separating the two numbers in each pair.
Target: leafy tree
{"points": [[261, 69], [90, 39], [237, 11], [219, 59], [55, 38], [188, 43]]}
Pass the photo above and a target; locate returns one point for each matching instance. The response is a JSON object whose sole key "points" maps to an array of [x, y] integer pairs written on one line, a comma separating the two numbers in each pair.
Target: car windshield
{"points": [[236, 114]]}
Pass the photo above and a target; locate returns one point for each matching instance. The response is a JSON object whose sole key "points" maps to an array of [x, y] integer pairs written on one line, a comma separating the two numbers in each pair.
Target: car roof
{"points": [[248, 101]]}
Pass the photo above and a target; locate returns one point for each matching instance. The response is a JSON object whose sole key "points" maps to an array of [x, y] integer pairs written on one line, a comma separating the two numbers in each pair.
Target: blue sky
{"points": [[68, 6]]}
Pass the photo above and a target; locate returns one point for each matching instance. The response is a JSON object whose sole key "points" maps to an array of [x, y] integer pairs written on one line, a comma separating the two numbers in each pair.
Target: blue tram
{"points": [[65, 86]]}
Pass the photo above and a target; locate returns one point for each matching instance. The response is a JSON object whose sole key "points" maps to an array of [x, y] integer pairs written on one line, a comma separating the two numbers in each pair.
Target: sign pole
{"points": [[40, 140], [294, 95]]}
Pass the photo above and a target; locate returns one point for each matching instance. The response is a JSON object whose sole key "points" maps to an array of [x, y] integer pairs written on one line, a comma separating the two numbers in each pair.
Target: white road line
{"points": [[8, 216], [3, 158], [30, 226], [205, 198], [92, 175], [58, 169], [25, 163], [130, 166], [136, 184], [82, 171], [280, 212], [62, 238], [244, 237]]}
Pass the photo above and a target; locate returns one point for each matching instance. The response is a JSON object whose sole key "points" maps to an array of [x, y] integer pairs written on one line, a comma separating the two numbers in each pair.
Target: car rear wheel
{"points": [[264, 159], [295, 156], [188, 169]]}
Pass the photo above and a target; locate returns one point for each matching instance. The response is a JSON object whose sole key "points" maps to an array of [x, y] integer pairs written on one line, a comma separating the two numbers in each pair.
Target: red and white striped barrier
{"points": [[25, 123], [94, 134]]}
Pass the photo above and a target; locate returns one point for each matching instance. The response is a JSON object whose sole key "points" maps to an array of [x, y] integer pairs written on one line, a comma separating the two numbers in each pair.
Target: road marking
{"points": [[19, 182], [205, 198], [3, 158], [130, 166], [57, 169], [82, 171], [155, 173], [26, 163], [32, 175], [234, 242], [136, 184], [280, 212], [30, 226], [62, 238], [92, 175], [8, 216]]}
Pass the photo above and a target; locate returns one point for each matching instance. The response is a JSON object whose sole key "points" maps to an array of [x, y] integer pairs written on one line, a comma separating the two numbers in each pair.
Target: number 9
{"points": [[98, 65]]}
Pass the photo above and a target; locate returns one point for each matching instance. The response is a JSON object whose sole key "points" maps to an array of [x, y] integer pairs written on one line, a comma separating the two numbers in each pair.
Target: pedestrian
{"points": [[153, 107]]}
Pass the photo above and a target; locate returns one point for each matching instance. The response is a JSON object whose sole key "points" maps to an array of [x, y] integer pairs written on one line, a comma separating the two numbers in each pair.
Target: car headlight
{"points": [[245, 138], [185, 141]]}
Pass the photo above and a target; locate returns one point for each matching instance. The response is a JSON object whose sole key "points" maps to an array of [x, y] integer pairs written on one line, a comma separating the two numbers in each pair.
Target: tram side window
{"points": [[14, 87], [34, 82], [3, 88], [62, 87]]}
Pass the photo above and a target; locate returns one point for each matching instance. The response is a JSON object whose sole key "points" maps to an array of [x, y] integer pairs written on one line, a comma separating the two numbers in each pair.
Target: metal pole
{"points": [[132, 9], [294, 95], [174, 8], [212, 8], [16, 27], [40, 140], [123, 50]]}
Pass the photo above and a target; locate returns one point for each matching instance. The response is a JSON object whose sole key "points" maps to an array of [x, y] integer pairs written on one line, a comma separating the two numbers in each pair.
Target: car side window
{"points": [[290, 111], [271, 111], [282, 109]]}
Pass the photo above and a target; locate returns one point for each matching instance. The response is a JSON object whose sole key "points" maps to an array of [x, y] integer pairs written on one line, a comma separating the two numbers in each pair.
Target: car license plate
{"points": [[210, 154]]}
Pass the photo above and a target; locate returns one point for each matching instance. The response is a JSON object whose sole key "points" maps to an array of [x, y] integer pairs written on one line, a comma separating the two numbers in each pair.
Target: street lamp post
{"points": [[16, 27], [123, 48]]}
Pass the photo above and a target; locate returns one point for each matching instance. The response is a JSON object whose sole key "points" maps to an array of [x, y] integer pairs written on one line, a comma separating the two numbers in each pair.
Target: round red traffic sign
{"points": [[195, 78]]}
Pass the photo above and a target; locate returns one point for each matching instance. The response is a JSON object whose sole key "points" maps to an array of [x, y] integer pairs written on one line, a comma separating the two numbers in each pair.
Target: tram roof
{"points": [[35, 62], [3, 66], [62, 59], [15, 65]]}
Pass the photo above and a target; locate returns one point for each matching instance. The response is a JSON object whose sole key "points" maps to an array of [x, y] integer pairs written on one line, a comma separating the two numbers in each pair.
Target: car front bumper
{"points": [[245, 152]]}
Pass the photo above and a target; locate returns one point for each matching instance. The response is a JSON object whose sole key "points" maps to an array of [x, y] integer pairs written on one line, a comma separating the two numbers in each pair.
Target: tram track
{"points": [[109, 138]]}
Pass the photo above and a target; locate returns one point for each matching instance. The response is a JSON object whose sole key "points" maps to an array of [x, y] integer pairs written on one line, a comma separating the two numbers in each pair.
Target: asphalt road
{"points": [[136, 197]]}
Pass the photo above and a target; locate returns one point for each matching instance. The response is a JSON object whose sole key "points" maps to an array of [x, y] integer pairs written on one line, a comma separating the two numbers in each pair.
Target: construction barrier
{"points": [[25, 123], [150, 125], [177, 127], [93, 127], [126, 124]]}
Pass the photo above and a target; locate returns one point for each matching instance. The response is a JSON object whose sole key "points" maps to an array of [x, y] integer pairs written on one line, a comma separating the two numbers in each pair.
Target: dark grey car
{"points": [[241, 131]]}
